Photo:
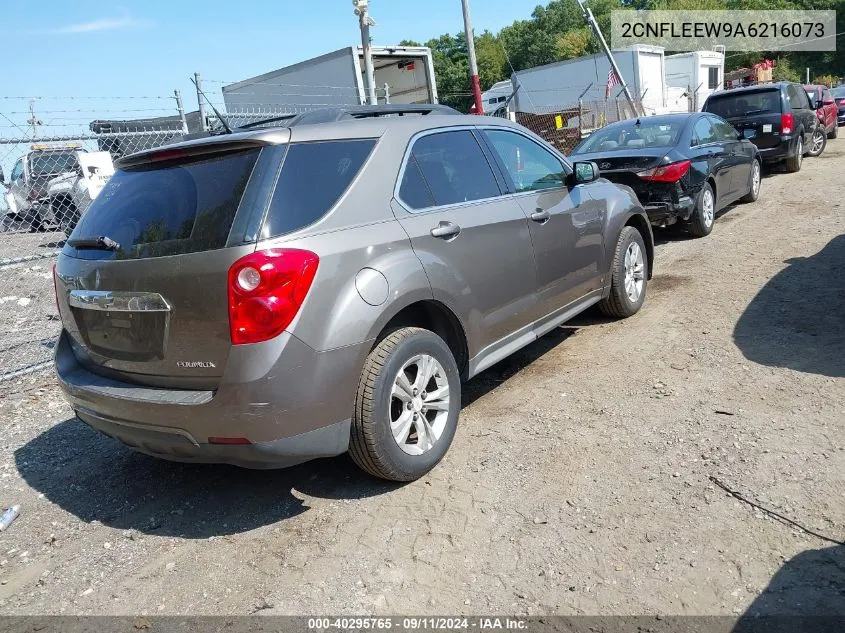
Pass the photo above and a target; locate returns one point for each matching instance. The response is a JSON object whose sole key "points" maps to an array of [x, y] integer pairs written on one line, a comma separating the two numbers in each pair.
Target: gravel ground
{"points": [[579, 481]]}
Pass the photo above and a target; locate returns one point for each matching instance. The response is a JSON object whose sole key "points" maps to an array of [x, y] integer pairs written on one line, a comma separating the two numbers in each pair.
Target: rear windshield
{"points": [[314, 176], [731, 106], [152, 211], [629, 135]]}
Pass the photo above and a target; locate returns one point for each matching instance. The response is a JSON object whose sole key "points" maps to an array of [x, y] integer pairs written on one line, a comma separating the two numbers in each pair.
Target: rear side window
{"points": [[731, 106], [797, 97], [454, 168], [414, 191], [703, 132], [169, 209], [314, 176]]}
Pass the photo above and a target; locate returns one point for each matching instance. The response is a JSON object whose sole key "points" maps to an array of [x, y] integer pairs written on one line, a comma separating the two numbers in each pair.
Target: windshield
{"points": [[169, 209], [47, 163], [743, 104], [629, 135]]}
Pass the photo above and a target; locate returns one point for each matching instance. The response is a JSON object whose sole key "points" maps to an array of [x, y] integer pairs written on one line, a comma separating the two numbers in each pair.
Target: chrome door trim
{"points": [[118, 301]]}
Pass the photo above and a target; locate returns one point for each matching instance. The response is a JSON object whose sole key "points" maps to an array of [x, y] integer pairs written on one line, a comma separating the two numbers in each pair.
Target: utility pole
{"points": [[808, 75], [33, 121], [200, 103], [591, 21], [365, 22], [473, 62]]}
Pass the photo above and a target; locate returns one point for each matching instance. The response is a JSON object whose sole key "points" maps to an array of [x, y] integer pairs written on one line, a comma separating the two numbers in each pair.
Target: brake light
{"points": [[266, 290], [666, 173], [786, 123], [842, 102]]}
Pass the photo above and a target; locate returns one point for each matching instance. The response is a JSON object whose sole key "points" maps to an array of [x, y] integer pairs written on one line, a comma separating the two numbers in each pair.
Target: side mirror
{"points": [[585, 172]]}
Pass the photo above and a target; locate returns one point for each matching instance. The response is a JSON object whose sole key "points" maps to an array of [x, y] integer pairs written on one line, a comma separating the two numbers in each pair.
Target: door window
{"points": [[17, 170], [529, 166], [452, 166], [703, 132], [723, 130]]}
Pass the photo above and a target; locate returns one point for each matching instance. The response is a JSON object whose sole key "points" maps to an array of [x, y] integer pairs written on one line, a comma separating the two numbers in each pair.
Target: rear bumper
{"points": [[781, 151], [290, 402], [664, 213]]}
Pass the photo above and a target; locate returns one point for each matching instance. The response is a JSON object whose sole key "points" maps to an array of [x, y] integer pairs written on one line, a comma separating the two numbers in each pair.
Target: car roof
{"points": [[328, 126], [756, 87]]}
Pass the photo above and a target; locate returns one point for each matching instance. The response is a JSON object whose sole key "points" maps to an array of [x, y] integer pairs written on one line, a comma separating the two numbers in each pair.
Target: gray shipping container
{"points": [[546, 88], [337, 78]]}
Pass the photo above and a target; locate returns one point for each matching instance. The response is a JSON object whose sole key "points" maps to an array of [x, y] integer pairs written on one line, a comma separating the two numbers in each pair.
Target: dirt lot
{"points": [[578, 482]]}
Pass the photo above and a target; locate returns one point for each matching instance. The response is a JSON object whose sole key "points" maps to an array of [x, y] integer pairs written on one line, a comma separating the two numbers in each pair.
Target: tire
{"points": [[67, 217], [835, 132], [626, 269], [793, 163], [704, 214], [380, 405], [756, 180], [819, 142]]}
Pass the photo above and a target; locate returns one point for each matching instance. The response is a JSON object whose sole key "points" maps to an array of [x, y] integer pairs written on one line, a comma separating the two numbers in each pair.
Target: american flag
{"points": [[612, 80]]}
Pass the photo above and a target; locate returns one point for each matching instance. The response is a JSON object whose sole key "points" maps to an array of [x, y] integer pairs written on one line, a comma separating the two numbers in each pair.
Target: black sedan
{"points": [[683, 167]]}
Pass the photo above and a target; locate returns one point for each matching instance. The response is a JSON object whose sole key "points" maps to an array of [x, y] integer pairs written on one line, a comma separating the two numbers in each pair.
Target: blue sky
{"points": [[95, 50]]}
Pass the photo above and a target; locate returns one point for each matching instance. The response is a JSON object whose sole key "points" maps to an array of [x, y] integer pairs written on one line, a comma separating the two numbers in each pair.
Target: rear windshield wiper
{"points": [[103, 243]]}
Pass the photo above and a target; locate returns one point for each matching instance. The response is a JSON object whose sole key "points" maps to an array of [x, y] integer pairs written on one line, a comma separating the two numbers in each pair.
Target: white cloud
{"points": [[106, 24]]}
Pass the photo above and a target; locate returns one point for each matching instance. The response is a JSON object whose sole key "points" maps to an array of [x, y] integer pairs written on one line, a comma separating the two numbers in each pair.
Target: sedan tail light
{"points": [[666, 173], [266, 290], [787, 121]]}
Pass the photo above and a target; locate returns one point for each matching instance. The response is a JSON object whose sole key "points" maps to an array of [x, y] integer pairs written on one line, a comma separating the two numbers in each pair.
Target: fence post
{"points": [[181, 108], [200, 103], [387, 93]]}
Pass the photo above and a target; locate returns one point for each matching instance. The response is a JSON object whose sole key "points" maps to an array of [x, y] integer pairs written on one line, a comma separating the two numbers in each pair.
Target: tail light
{"points": [[266, 290], [787, 121], [842, 102], [666, 173]]}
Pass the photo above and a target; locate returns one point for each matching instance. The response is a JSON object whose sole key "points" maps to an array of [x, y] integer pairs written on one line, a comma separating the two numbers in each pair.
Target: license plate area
{"points": [[122, 325]]}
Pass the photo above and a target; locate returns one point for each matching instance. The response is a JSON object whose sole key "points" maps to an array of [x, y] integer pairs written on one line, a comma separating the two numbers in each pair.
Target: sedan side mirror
{"points": [[585, 172]]}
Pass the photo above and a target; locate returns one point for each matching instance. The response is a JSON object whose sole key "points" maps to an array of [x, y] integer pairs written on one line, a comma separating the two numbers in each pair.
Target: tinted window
{"points": [[153, 211], [744, 103], [529, 166], [454, 167], [712, 78], [651, 132], [414, 191], [703, 132], [797, 97], [314, 176]]}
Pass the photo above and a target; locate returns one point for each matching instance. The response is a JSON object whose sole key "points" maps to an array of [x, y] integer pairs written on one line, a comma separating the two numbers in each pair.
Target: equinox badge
{"points": [[195, 363]]}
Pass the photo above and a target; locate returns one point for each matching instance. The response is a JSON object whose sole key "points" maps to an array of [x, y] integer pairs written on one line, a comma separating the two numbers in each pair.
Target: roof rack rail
{"points": [[345, 113]]}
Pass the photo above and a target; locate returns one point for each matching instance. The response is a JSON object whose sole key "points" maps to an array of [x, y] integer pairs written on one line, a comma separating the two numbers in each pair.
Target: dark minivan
{"points": [[778, 118]]}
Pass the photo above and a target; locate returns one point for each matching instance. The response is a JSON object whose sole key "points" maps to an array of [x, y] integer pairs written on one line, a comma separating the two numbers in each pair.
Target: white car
{"points": [[71, 193]]}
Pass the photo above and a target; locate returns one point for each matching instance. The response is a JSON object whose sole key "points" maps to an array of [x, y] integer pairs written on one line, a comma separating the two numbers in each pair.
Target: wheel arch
{"points": [[642, 225]]}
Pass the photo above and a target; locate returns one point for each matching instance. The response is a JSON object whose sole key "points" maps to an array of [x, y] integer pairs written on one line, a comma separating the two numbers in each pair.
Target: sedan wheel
{"points": [[756, 179], [634, 272], [701, 222]]}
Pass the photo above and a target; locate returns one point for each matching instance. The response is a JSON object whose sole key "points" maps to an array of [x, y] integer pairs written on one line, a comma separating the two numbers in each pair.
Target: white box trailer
{"points": [[558, 85], [496, 96], [699, 73], [336, 79]]}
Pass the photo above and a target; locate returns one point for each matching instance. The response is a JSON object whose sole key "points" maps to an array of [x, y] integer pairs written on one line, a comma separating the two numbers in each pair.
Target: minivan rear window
{"points": [[169, 209], [732, 106], [314, 176]]}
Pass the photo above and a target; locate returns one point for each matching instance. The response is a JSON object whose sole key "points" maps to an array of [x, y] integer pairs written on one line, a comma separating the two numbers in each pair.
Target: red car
{"points": [[826, 108]]}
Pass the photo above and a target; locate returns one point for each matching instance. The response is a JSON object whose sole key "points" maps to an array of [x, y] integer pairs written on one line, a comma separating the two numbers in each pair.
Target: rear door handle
{"points": [[445, 229], [541, 215]]}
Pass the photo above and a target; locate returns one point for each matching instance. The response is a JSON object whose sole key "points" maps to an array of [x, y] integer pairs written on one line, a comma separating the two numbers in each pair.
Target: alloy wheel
{"points": [[419, 404], [634, 272]]}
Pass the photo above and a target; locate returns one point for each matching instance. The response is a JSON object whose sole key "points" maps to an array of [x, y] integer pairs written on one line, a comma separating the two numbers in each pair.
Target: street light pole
{"points": [[365, 22], [473, 63]]}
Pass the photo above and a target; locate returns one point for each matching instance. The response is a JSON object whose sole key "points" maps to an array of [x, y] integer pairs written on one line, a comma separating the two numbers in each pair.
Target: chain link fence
{"points": [[564, 127]]}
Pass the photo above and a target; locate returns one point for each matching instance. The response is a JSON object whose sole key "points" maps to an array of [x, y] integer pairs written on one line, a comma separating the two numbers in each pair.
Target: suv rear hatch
{"points": [[756, 114], [142, 281]]}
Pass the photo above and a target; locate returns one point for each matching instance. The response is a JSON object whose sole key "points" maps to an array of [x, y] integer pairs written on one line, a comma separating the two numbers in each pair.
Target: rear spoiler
{"points": [[192, 149]]}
